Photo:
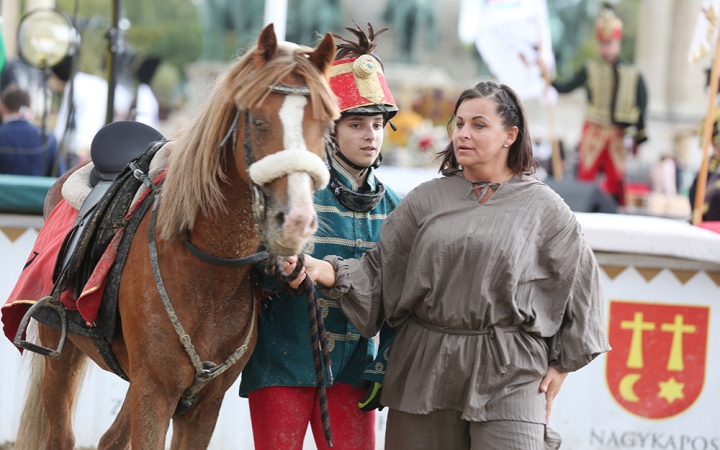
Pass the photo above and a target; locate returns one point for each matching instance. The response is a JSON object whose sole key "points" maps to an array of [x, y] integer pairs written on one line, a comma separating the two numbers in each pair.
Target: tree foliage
{"points": [[169, 29]]}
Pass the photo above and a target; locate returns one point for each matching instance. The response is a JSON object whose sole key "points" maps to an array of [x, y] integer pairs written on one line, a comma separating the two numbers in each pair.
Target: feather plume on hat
{"points": [[365, 44]]}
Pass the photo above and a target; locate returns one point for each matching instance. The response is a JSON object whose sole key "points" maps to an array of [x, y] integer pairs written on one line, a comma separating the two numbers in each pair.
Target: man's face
{"points": [[360, 138], [609, 50]]}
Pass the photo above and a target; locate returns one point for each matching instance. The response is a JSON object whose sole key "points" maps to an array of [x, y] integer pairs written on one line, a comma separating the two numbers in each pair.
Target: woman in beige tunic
{"points": [[494, 292]]}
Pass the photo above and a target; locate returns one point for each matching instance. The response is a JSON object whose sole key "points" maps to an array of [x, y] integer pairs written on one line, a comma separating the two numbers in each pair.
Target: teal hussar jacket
{"points": [[283, 354]]}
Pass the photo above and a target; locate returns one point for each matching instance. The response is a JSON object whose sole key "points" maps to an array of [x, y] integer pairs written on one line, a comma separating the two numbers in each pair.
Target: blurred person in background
{"points": [[25, 149], [617, 99], [711, 202]]}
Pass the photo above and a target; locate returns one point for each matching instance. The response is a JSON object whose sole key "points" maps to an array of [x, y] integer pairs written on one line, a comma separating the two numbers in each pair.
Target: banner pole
{"points": [[707, 135], [557, 166]]}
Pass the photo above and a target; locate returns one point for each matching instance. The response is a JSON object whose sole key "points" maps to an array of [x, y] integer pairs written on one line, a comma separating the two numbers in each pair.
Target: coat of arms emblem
{"points": [[657, 366]]}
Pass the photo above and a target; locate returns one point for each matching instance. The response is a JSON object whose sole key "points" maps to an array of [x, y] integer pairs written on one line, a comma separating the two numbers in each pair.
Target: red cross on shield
{"points": [[656, 368]]}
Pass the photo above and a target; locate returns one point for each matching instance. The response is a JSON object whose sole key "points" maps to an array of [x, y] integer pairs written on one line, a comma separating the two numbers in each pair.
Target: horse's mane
{"points": [[194, 178]]}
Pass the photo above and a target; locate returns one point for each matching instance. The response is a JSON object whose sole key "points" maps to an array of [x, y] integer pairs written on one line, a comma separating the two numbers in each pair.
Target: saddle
{"points": [[118, 151]]}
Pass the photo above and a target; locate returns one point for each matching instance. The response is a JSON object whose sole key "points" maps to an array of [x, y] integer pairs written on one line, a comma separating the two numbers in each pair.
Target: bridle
{"points": [[205, 371], [266, 170]]}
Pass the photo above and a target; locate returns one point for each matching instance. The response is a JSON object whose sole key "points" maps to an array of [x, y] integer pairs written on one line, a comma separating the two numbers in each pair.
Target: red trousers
{"points": [[602, 149], [280, 417]]}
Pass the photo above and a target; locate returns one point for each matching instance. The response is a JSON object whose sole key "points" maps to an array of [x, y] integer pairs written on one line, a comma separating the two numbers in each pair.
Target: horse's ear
{"points": [[324, 55], [267, 46]]}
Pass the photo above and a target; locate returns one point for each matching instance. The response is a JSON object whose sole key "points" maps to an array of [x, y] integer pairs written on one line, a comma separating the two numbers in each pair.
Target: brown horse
{"points": [[276, 104]]}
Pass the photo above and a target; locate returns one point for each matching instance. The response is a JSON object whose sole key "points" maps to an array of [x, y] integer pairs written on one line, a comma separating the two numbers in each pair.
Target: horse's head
{"points": [[262, 128], [281, 138]]}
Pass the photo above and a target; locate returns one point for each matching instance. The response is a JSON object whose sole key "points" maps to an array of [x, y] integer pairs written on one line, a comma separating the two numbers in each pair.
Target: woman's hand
{"points": [[318, 270], [550, 385]]}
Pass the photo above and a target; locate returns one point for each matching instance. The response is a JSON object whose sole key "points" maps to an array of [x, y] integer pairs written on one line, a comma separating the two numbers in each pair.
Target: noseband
{"points": [[278, 164]]}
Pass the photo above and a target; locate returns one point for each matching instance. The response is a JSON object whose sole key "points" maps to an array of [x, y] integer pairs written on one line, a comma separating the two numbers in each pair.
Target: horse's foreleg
{"points": [[150, 413], [63, 378], [117, 437], [194, 429]]}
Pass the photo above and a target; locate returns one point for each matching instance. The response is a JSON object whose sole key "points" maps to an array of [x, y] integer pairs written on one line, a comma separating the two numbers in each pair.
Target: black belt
{"points": [[502, 358]]}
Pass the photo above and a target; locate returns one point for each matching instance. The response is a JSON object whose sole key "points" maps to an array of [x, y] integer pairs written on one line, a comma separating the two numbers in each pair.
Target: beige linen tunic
{"points": [[518, 262]]}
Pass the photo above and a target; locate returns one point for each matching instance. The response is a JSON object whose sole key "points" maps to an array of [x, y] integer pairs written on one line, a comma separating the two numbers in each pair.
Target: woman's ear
{"points": [[512, 135]]}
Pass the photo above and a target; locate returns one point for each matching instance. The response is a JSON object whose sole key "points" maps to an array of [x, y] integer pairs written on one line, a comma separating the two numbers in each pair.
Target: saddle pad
{"points": [[35, 281], [77, 186]]}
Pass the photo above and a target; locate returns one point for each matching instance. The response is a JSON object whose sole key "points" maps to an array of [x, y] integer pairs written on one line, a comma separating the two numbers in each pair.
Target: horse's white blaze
{"points": [[300, 222], [291, 115], [295, 157]]}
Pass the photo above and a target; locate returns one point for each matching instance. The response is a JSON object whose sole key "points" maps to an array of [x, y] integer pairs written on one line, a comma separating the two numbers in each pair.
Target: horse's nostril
{"points": [[280, 219]]}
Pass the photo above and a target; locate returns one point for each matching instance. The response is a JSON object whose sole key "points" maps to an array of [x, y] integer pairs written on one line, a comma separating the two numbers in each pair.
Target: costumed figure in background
{"points": [[617, 99], [711, 202], [279, 380]]}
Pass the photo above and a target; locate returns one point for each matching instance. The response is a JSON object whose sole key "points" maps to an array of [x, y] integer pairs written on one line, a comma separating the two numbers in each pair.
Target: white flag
{"points": [[513, 38], [706, 30], [470, 12]]}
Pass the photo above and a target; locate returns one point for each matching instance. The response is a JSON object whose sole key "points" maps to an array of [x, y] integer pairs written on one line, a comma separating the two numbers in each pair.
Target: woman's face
{"points": [[479, 137], [360, 138]]}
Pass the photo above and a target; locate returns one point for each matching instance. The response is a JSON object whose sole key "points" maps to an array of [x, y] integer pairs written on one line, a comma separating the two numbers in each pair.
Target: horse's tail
{"points": [[33, 421]]}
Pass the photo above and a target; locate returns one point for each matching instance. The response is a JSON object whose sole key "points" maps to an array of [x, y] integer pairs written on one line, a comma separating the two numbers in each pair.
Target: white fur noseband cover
{"points": [[286, 162]]}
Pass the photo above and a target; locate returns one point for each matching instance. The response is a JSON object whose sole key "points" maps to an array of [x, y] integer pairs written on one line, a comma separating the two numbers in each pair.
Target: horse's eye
{"points": [[258, 123]]}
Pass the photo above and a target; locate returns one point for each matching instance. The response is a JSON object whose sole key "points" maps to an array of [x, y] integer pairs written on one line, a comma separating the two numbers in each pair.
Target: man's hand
{"points": [[550, 385], [371, 400]]}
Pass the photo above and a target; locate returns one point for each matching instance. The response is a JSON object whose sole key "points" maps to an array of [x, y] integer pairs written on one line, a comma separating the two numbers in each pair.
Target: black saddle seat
{"points": [[116, 144]]}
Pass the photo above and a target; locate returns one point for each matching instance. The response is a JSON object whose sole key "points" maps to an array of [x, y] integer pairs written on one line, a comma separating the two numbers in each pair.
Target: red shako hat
{"points": [[357, 77], [608, 26]]}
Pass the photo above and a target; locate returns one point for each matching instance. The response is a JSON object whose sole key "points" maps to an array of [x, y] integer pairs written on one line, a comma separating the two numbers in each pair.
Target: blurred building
{"points": [[423, 55]]}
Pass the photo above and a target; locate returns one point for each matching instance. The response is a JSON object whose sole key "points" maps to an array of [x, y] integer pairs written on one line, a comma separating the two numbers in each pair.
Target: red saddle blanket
{"points": [[35, 281]]}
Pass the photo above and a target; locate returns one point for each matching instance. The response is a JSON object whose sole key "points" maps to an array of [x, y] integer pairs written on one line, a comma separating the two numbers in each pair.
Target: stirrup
{"points": [[45, 302]]}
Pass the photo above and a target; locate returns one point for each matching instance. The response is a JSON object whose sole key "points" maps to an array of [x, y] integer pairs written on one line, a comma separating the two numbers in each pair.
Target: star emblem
{"points": [[671, 390]]}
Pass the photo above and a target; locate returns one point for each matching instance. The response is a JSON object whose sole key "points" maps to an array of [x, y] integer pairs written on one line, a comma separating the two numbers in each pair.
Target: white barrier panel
{"points": [[102, 393], [658, 388]]}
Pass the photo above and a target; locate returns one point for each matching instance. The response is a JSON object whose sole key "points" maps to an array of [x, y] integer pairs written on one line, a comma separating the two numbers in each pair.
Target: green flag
{"points": [[2, 51]]}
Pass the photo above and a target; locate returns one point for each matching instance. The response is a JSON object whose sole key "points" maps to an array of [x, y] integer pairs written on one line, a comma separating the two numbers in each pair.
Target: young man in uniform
{"points": [[279, 380]]}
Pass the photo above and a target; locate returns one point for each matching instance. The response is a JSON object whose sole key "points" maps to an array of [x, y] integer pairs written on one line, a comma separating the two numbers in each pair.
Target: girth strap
{"points": [[502, 356]]}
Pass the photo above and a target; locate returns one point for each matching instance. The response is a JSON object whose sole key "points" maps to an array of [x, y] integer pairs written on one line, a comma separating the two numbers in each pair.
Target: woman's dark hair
{"points": [[510, 109]]}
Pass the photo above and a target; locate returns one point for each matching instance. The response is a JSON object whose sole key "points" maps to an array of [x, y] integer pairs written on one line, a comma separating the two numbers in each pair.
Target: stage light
{"points": [[45, 37]]}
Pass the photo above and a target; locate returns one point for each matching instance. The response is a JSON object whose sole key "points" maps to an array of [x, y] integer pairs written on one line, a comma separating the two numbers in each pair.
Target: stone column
{"points": [[652, 50], [687, 94], [10, 20]]}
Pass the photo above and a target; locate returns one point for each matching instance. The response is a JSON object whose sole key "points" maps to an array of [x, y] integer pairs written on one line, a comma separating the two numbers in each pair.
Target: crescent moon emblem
{"points": [[626, 387]]}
